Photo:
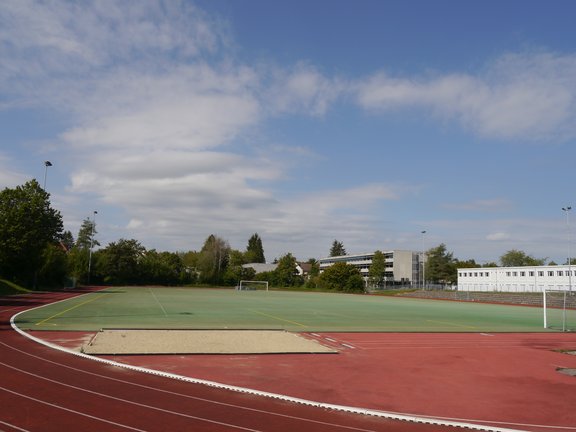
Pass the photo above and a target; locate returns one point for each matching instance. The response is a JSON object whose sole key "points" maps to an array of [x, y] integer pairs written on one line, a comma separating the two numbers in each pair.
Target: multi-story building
{"points": [[517, 279], [402, 267]]}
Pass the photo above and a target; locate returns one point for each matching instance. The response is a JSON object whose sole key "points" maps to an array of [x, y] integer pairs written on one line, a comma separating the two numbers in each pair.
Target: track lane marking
{"points": [[122, 400], [196, 398], [14, 427], [69, 410]]}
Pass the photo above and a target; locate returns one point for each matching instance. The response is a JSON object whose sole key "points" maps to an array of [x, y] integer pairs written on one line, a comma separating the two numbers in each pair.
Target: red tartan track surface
{"points": [[499, 381]]}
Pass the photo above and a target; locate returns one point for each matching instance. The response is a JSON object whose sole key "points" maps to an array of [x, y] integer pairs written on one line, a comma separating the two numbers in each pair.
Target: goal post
{"points": [[559, 312], [252, 285]]}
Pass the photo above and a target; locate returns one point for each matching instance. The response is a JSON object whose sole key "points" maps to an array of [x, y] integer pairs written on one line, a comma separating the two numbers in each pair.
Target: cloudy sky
{"points": [[304, 121]]}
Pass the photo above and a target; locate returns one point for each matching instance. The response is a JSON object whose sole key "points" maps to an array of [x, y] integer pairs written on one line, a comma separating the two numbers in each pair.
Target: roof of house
{"points": [[261, 267]]}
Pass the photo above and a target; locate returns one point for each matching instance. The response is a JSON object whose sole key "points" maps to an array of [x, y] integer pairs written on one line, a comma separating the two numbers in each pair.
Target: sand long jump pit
{"points": [[144, 342]]}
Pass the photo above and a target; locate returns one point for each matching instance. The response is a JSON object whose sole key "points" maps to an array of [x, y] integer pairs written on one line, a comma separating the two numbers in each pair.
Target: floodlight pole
{"points": [[423, 266], [567, 211], [46, 165], [91, 244]]}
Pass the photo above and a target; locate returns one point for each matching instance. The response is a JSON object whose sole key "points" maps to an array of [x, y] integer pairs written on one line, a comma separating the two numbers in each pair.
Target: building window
{"points": [[540, 273], [550, 273], [559, 273], [522, 273], [531, 273]]}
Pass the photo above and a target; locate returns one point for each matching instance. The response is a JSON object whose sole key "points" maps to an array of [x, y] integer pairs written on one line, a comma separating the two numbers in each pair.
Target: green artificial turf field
{"points": [[192, 308]]}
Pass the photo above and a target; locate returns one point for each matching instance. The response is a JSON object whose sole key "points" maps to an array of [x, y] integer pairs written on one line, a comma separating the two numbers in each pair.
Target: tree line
{"points": [[35, 252]]}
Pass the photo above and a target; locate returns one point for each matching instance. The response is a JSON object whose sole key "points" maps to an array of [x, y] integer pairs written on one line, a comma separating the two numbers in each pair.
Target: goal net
{"points": [[559, 308], [246, 285]]}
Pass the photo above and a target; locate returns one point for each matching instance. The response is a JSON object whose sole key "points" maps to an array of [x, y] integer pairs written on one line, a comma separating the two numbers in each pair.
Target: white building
{"points": [[402, 267], [517, 279]]}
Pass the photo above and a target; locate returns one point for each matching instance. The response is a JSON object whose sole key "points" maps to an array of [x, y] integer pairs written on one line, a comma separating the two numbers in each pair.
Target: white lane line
{"points": [[70, 410], [196, 398], [122, 400], [13, 427]]}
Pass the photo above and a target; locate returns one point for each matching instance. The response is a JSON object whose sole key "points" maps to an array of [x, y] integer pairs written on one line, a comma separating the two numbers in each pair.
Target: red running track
{"points": [[506, 380], [42, 389]]}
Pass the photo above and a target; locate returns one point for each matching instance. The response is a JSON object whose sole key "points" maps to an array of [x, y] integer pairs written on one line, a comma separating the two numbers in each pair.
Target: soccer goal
{"points": [[247, 285], [559, 308]]}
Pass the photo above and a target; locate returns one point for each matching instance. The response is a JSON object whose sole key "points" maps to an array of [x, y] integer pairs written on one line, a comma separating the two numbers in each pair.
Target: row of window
{"points": [[541, 273], [351, 259]]}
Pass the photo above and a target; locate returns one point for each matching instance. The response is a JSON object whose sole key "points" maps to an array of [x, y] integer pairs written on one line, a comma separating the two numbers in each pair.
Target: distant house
{"points": [[304, 269]]}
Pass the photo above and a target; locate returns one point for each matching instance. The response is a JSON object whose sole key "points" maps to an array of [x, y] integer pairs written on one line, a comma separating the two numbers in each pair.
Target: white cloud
{"points": [[520, 96], [486, 205], [498, 236], [70, 36], [160, 120], [302, 90], [9, 177]]}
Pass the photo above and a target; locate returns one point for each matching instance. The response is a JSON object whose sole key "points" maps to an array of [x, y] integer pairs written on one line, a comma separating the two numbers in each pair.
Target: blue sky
{"points": [[304, 121]]}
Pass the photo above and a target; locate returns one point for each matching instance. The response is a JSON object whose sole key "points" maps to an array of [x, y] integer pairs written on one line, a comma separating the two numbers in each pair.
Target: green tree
{"points": [[467, 264], [118, 263], [79, 255], [235, 273], [377, 270], [213, 260], [237, 258], [315, 267], [516, 258], [254, 250], [337, 249], [440, 266], [286, 274], [27, 226], [163, 268], [86, 235], [67, 240], [341, 277], [54, 267]]}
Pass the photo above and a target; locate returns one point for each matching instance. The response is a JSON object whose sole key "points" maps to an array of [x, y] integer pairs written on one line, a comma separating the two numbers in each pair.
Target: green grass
{"points": [[10, 288], [144, 307]]}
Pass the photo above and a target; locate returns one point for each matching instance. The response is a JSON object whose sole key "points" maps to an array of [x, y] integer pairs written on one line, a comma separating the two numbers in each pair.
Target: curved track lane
{"points": [[42, 389]]}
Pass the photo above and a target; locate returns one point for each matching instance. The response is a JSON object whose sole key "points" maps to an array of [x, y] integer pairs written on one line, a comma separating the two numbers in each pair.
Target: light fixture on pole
{"points": [[46, 165], [423, 256], [567, 211], [91, 244]]}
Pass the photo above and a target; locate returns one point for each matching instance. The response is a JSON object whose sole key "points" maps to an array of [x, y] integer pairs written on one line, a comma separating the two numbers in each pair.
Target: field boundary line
{"points": [[452, 324], [278, 318], [69, 309], [158, 302]]}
